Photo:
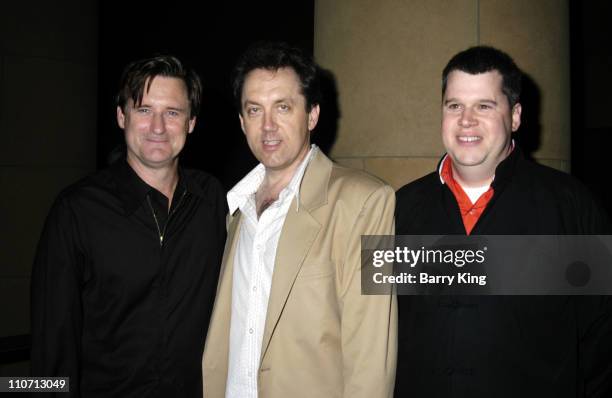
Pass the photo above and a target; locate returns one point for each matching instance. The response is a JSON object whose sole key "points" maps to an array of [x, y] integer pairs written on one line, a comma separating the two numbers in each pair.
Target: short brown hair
{"points": [[140, 73]]}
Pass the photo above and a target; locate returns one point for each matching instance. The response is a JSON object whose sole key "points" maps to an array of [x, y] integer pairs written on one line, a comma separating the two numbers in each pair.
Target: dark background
{"points": [[591, 85]]}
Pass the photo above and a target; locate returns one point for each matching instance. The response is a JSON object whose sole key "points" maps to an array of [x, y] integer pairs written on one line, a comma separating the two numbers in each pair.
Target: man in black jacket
{"points": [[502, 346], [127, 265]]}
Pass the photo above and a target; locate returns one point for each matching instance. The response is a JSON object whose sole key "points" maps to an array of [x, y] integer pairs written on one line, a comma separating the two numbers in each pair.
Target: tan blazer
{"points": [[322, 337]]}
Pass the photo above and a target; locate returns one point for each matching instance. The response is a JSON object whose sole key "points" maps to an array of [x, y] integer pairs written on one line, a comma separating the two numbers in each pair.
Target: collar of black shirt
{"points": [[133, 190]]}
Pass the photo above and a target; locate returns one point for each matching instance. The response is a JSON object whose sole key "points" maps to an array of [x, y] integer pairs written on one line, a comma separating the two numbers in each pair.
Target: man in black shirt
{"points": [[498, 346], [127, 265]]}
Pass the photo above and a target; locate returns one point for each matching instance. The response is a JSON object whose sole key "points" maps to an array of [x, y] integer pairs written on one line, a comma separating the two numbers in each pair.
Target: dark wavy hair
{"points": [[273, 56], [482, 59], [140, 73]]}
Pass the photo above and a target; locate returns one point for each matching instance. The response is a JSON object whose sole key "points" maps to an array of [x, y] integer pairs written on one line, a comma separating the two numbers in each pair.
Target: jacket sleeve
{"points": [[56, 316], [369, 322]]}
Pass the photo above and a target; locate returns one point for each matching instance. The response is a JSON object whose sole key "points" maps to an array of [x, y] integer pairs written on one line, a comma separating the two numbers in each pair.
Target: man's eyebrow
{"points": [[250, 102], [148, 105], [176, 108], [277, 101], [488, 101], [284, 99], [485, 101]]}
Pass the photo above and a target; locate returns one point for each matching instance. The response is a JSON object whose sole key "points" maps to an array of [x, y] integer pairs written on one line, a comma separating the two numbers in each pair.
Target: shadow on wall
{"points": [[529, 135], [326, 132]]}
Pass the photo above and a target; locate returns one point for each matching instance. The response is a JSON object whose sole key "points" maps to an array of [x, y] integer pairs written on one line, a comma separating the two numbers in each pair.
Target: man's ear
{"points": [[313, 117], [516, 116], [192, 123], [120, 117]]}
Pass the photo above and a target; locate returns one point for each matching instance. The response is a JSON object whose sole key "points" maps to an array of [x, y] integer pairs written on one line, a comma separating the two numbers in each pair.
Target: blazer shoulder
{"points": [[352, 179]]}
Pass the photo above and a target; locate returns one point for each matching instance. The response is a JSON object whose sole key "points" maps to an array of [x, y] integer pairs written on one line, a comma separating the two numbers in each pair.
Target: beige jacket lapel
{"points": [[299, 233]]}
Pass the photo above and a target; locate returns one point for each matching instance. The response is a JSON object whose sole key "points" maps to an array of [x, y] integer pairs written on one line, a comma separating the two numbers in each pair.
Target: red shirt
{"points": [[470, 213]]}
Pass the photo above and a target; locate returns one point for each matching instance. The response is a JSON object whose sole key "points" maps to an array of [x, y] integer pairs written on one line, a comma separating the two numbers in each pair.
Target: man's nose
{"points": [[158, 124], [269, 122], [467, 118]]}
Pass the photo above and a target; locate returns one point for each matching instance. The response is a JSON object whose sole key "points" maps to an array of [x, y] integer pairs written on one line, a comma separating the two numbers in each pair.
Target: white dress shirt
{"points": [[252, 278]]}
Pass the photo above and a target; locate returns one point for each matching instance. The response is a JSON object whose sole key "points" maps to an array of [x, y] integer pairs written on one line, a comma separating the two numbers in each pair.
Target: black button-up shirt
{"points": [[120, 311]]}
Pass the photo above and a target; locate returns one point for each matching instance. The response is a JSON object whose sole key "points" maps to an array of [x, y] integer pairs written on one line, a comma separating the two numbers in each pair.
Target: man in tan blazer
{"points": [[289, 318]]}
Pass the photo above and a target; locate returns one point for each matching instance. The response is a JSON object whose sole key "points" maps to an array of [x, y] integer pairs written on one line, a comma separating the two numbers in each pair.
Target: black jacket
{"points": [[504, 346], [115, 309]]}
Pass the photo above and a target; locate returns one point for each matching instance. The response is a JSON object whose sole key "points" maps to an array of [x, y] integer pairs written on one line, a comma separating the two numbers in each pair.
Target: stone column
{"points": [[388, 55]]}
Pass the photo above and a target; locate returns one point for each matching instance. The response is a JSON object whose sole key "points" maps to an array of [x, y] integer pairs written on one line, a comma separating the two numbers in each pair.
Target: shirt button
{"points": [[251, 331], [258, 247], [254, 288]]}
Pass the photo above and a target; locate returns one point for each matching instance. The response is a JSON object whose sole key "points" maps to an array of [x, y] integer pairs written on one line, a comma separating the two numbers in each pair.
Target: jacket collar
{"points": [[506, 168], [503, 172], [313, 188], [240, 193], [315, 183]]}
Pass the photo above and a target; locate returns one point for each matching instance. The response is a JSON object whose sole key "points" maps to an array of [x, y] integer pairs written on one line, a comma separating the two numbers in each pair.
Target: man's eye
{"points": [[484, 107], [173, 113], [453, 107], [143, 110], [252, 110], [283, 107]]}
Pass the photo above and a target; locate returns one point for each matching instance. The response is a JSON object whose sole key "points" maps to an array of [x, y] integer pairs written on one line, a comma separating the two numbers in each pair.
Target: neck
{"points": [[275, 181], [466, 177], [164, 179], [478, 175]]}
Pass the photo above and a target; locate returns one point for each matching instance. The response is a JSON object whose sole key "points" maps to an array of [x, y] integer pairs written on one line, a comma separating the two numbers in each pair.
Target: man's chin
{"points": [[467, 161], [156, 161]]}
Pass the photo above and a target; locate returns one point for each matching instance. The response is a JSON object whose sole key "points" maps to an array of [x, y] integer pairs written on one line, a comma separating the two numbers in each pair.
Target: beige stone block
{"points": [[398, 172], [354, 163], [14, 306], [387, 57], [536, 35], [48, 113], [27, 196]]}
